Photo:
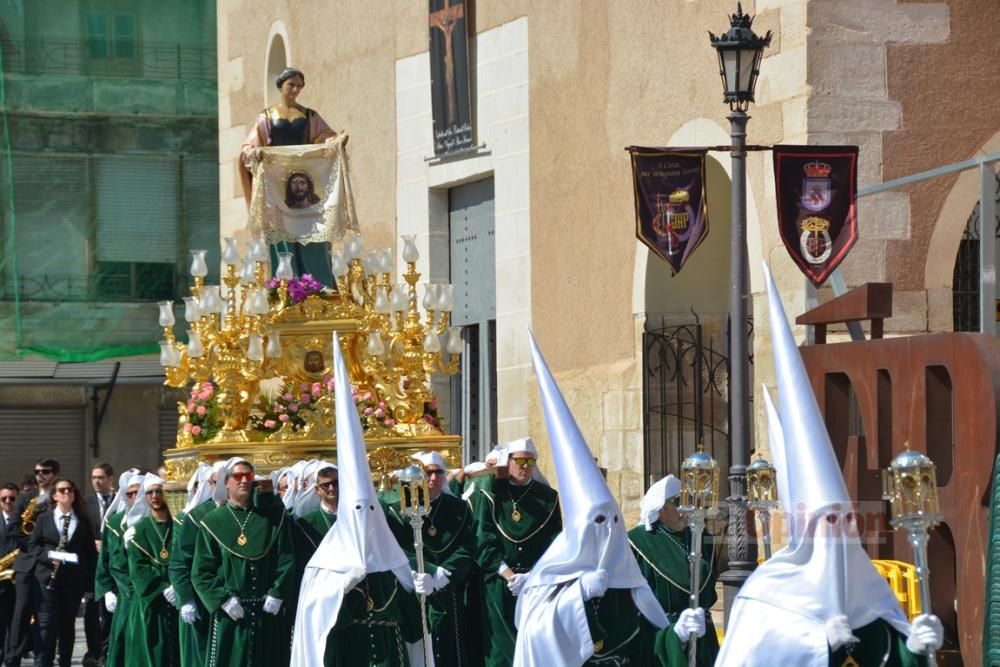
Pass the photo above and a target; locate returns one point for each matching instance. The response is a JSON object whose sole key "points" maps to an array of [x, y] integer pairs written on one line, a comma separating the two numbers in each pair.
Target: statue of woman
{"points": [[288, 123]]}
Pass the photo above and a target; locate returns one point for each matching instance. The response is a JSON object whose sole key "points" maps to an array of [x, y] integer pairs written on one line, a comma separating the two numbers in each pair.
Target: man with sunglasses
{"points": [[244, 571], [517, 518], [153, 616], [661, 543], [112, 583], [449, 545], [8, 542], [27, 596]]}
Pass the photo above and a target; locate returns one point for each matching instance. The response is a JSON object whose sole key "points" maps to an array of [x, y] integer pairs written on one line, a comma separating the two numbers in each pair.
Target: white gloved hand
{"points": [[516, 583], [690, 621], [170, 595], [441, 578], [128, 535], [926, 634], [189, 613], [423, 584], [233, 608], [110, 602], [272, 605], [594, 584], [838, 632]]}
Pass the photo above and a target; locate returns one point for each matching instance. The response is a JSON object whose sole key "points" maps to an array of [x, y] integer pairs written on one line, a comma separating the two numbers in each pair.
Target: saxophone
{"points": [[28, 516], [7, 566]]}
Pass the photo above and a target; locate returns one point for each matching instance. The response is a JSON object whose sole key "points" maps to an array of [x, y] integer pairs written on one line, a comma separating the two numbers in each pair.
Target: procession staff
{"points": [[516, 520], [818, 601], [661, 543], [65, 560], [192, 633], [356, 605], [448, 546], [152, 631], [585, 600], [27, 597], [243, 571], [107, 584]]}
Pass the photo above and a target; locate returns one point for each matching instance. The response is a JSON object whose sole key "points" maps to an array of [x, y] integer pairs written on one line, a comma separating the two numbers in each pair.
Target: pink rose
{"points": [[283, 418], [368, 411], [190, 407], [269, 423], [390, 422], [293, 407], [195, 430], [368, 396], [357, 399], [288, 398], [187, 428], [278, 407], [201, 410], [316, 390], [204, 394], [381, 404], [304, 399], [379, 412]]}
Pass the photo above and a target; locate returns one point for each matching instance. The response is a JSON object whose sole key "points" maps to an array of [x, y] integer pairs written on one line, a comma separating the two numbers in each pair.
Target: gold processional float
{"points": [[258, 361]]}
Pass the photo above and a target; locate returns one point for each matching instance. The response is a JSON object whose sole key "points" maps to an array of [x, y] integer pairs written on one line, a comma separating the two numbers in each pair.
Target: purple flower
{"points": [[273, 283]]}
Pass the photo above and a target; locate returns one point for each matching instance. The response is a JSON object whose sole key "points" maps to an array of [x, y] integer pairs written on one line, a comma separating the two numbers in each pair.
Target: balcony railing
{"points": [[146, 60]]}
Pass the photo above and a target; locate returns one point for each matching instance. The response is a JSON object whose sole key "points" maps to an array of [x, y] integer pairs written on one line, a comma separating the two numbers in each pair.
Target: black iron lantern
{"points": [[740, 53]]}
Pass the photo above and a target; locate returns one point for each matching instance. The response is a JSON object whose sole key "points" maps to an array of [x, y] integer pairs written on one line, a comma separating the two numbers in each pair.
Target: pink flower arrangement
{"points": [[202, 422]]}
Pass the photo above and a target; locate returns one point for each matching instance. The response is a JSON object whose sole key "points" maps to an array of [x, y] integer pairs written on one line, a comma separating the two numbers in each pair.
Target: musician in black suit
{"points": [[62, 527], [96, 619], [8, 498], [20, 633]]}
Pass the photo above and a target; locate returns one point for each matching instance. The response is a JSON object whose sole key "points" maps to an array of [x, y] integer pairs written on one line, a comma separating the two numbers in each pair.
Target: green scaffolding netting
{"points": [[100, 209]]}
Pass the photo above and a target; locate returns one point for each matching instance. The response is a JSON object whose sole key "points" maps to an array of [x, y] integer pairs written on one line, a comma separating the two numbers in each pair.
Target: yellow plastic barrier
{"points": [[902, 580]]}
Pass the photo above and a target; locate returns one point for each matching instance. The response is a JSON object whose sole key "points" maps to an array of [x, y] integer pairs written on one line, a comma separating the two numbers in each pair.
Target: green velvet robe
{"points": [[451, 546], [880, 644], [518, 543], [264, 566], [307, 533], [152, 631], [376, 621], [117, 580], [663, 560], [192, 637], [617, 628]]}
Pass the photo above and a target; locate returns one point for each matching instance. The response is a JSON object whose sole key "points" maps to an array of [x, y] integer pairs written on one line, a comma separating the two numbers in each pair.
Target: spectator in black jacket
{"points": [[8, 542]]}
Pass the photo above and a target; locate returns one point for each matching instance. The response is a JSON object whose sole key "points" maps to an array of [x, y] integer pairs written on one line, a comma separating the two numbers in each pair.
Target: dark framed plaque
{"points": [[450, 89]]}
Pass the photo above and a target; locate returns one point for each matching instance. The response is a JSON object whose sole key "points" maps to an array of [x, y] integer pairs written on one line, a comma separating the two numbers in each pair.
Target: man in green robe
{"points": [[193, 629], [661, 543], [516, 520], [243, 571], [448, 547], [112, 580], [311, 528], [152, 631]]}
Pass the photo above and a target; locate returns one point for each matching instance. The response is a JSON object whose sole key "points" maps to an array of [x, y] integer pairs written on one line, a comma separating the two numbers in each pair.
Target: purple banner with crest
{"points": [[816, 189], [671, 211]]}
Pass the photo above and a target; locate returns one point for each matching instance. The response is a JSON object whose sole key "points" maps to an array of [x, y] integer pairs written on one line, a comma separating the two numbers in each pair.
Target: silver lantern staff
{"points": [[699, 495], [762, 494], [414, 503], [910, 486]]}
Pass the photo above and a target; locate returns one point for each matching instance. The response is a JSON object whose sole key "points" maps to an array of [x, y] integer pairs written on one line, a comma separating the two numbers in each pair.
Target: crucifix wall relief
{"points": [[449, 53]]}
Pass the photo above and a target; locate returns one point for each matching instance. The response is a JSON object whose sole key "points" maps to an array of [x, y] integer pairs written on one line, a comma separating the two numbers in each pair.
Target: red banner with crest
{"points": [[816, 190]]}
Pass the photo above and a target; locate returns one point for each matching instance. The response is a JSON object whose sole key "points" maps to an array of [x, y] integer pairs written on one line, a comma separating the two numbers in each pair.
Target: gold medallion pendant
{"points": [[242, 539], [515, 515], [371, 603], [164, 554], [432, 531]]}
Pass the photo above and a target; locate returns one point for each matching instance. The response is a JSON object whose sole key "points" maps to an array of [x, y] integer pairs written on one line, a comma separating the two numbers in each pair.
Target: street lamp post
{"points": [[740, 52]]}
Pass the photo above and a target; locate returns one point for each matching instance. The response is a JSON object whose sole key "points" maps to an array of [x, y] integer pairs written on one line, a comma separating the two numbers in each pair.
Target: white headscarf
{"points": [[548, 610], [522, 445], [140, 507], [307, 499], [294, 474], [120, 501], [655, 498], [222, 470], [196, 496], [823, 572], [434, 459], [359, 543]]}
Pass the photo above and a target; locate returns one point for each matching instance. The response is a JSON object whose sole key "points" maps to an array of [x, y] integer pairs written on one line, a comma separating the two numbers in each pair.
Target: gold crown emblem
{"points": [[680, 197], [815, 225], [817, 169]]}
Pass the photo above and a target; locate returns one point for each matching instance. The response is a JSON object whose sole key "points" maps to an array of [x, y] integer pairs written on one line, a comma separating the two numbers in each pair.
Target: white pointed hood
{"points": [[140, 508], [823, 572], [594, 534], [196, 496], [359, 542], [120, 501]]}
